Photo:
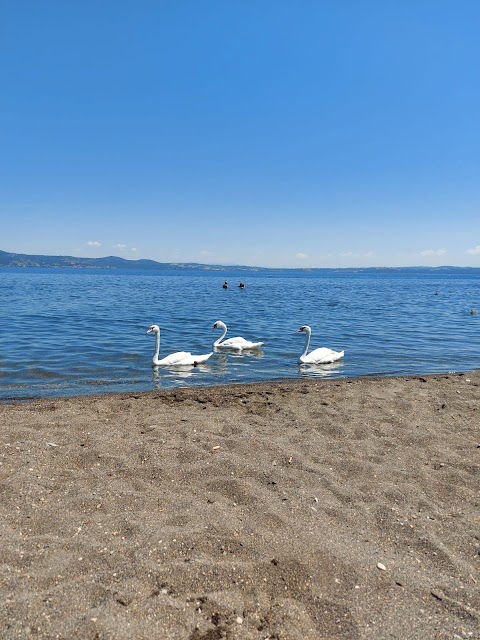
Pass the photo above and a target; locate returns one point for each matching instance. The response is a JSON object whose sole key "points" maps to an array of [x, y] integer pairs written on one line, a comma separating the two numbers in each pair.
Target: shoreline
{"points": [[11, 400], [342, 508]]}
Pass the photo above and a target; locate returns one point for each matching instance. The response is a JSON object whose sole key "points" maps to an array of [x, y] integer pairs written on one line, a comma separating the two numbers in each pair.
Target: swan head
{"points": [[305, 329], [154, 329], [219, 324]]}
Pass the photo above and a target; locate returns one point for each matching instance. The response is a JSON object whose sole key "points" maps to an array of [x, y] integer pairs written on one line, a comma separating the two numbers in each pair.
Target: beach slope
{"points": [[309, 510]]}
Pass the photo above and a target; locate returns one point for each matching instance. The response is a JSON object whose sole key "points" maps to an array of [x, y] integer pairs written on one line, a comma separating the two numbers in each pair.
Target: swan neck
{"points": [[157, 347], [307, 342], [217, 342]]}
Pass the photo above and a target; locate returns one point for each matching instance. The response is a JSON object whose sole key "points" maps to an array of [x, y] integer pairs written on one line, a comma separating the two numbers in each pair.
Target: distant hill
{"points": [[114, 262], [109, 262]]}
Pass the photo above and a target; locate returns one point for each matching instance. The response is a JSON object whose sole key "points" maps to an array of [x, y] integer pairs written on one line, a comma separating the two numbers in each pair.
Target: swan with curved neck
{"points": [[238, 343], [174, 359], [323, 355]]}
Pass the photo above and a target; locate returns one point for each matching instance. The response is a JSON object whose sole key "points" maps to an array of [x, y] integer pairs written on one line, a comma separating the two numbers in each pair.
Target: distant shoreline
{"points": [[21, 260]]}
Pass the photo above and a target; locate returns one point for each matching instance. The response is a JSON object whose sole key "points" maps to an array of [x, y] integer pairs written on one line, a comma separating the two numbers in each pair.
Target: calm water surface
{"points": [[72, 332]]}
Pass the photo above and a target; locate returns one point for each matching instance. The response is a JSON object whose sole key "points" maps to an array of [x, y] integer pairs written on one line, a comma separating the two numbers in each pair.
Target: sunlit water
{"points": [[72, 332]]}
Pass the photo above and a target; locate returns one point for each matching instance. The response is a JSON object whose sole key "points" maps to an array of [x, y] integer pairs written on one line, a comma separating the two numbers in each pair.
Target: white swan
{"points": [[174, 359], [317, 356], [236, 343]]}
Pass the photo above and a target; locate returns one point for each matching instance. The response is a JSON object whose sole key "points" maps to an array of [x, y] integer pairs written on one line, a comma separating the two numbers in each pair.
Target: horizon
{"points": [[325, 135]]}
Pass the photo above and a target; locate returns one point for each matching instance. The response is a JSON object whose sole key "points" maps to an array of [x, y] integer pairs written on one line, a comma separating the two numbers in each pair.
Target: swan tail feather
{"points": [[200, 359]]}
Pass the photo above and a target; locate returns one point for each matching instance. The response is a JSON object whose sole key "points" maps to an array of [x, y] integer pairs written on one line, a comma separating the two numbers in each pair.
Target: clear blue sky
{"points": [[308, 133]]}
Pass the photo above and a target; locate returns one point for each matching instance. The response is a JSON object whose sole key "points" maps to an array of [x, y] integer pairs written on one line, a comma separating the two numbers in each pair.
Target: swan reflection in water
{"points": [[177, 373], [223, 357], [223, 361], [320, 370]]}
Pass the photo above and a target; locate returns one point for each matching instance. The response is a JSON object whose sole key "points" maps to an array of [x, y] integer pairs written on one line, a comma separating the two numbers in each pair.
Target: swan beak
{"points": [[298, 331]]}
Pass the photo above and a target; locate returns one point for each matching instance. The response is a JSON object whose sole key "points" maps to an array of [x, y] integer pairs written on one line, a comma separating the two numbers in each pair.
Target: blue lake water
{"points": [[74, 332]]}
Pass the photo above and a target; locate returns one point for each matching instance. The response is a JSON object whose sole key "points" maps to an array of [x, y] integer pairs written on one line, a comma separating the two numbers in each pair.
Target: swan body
{"points": [[323, 355], [174, 359], [238, 343]]}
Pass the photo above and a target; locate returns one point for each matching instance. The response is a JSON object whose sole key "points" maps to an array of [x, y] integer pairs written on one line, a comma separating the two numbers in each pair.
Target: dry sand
{"points": [[292, 510]]}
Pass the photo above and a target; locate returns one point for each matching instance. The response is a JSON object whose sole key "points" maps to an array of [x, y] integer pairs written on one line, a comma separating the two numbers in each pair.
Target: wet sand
{"points": [[301, 510]]}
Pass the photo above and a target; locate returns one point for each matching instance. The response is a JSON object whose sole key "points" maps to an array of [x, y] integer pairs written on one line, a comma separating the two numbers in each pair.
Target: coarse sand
{"points": [[307, 510]]}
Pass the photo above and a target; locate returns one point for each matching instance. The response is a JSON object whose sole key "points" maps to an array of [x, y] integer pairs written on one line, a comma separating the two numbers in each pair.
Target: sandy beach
{"points": [[304, 510]]}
